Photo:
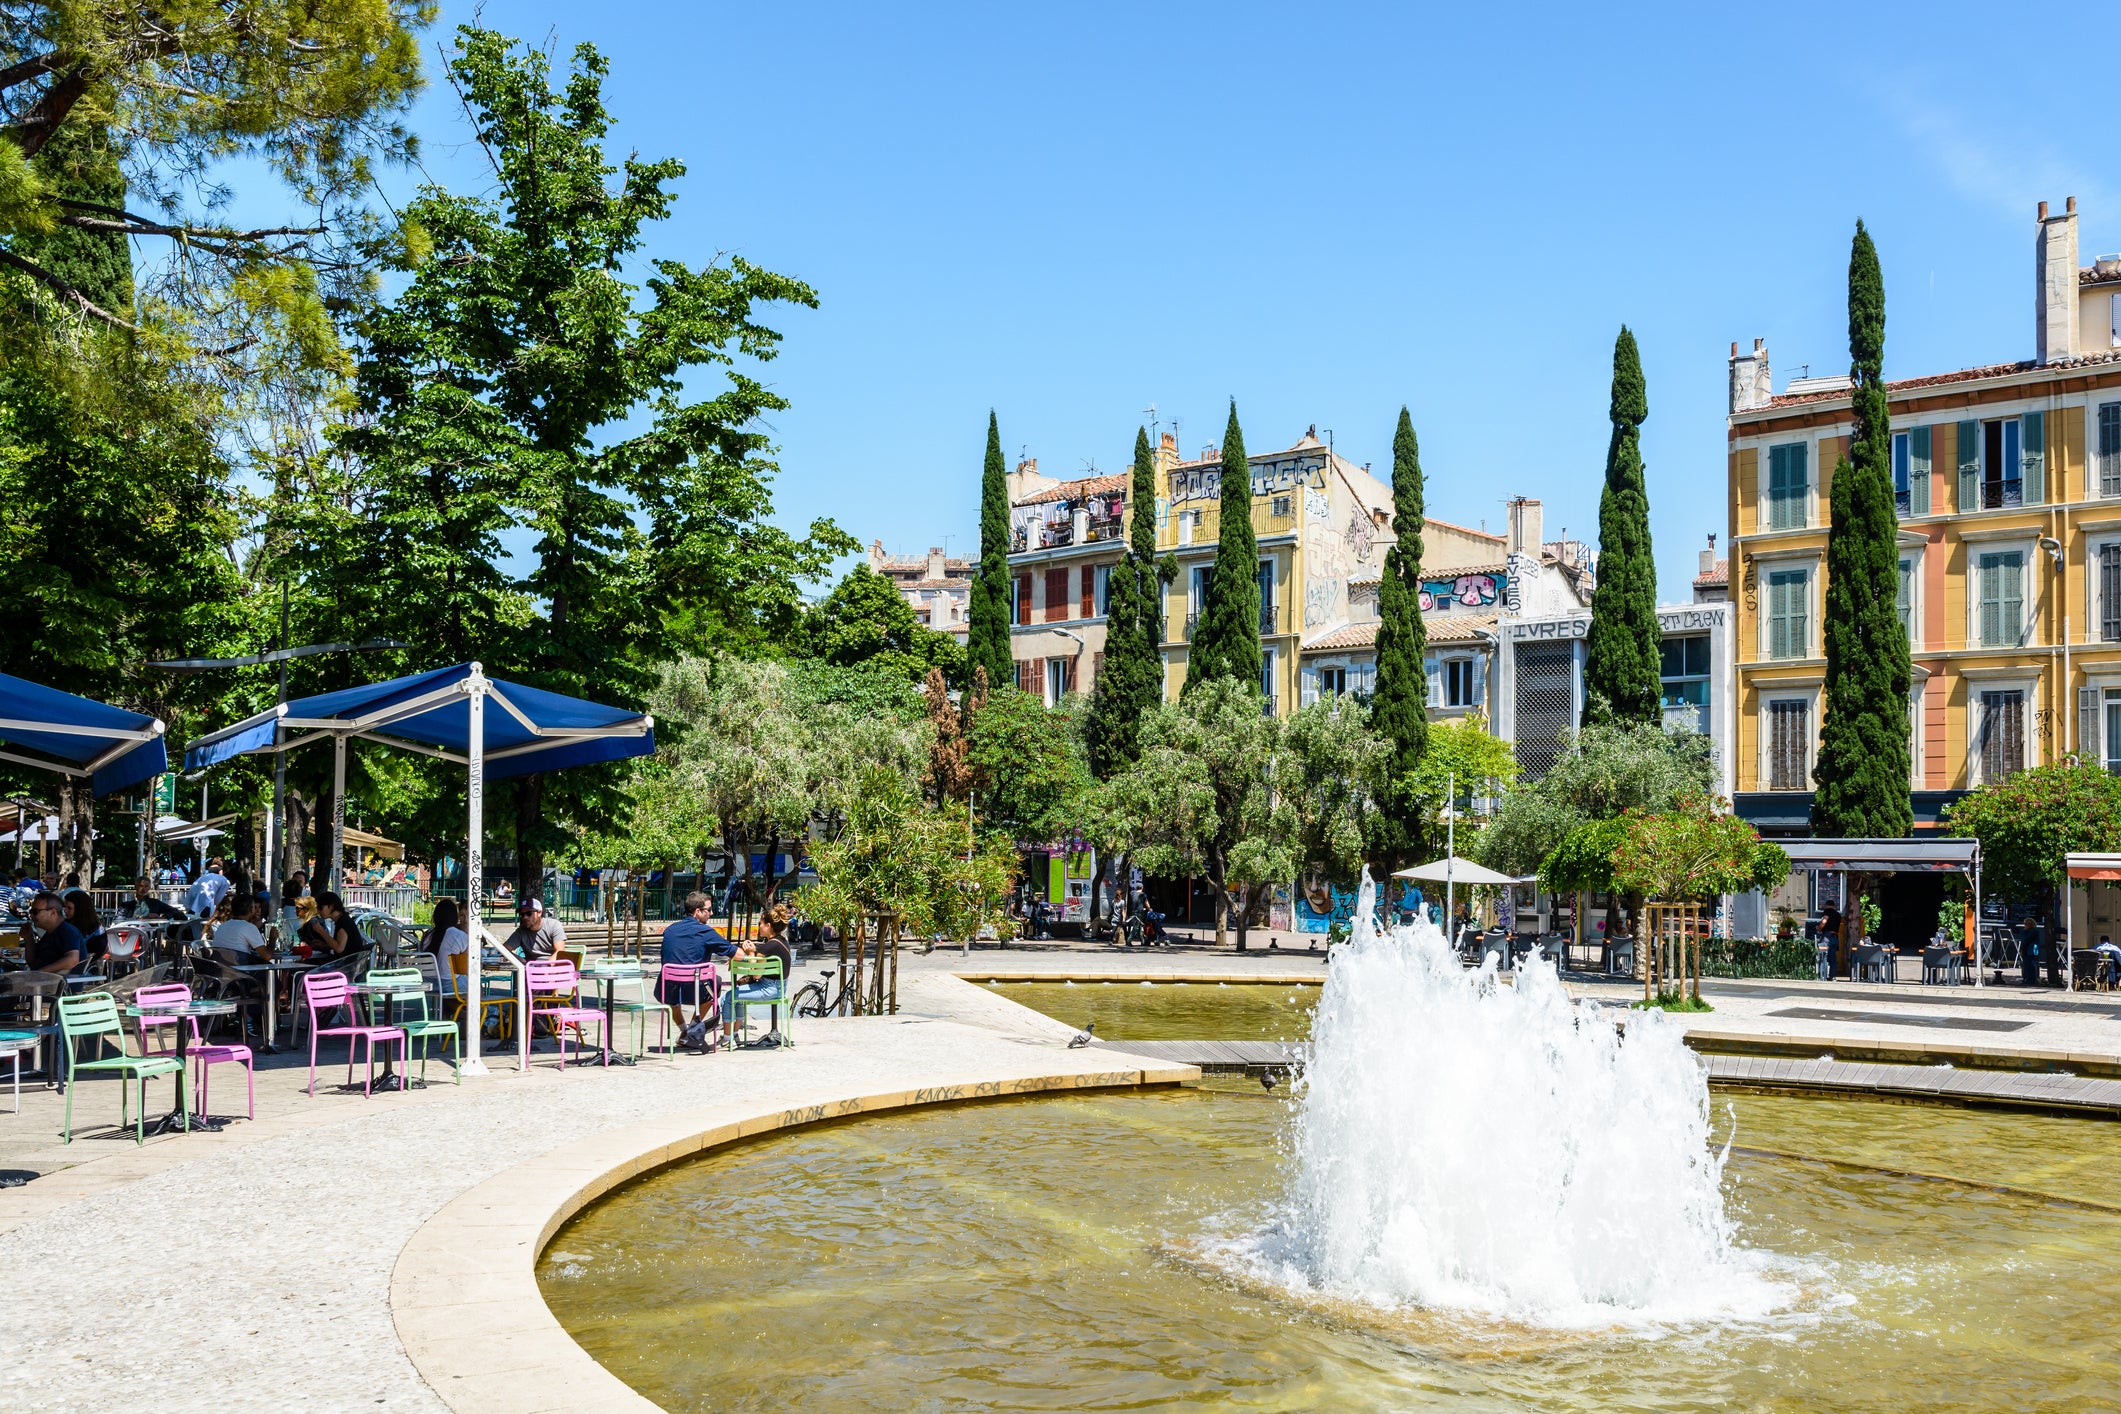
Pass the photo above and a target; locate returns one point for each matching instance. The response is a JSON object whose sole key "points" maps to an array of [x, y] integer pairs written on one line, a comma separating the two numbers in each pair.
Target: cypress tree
{"points": [[1621, 680], [987, 622], [1226, 642], [1132, 678], [1399, 707], [1864, 768]]}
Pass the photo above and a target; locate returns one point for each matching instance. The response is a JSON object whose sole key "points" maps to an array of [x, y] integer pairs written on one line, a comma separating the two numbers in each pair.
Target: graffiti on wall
{"points": [[1468, 591], [1319, 602], [1359, 534], [1322, 906]]}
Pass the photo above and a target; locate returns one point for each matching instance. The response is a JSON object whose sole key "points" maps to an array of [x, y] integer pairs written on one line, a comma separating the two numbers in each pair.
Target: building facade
{"points": [[938, 589], [2008, 480], [1065, 537]]}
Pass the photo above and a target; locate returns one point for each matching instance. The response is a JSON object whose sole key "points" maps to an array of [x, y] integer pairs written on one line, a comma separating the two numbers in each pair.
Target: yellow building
{"points": [[2009, 485]]}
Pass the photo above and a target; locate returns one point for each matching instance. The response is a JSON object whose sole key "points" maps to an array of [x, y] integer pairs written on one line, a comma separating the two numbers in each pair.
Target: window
{"points": [[2113, 731], [1903, 473], [1266, 680], [1332, 682], [1684, 671], [2110, 449], [1789, 744], [2002, 465], [1906, 600], [1786, 486], [1197, 599], [1027, 674], [1458, 684], [1056, 595], [1089, 593], [1060, 679], [1104, 590], [1023, 598], [1280, 510], [1266, 597], [1789, 600], [2000, 585], [2002, 737], [2110, 593]]}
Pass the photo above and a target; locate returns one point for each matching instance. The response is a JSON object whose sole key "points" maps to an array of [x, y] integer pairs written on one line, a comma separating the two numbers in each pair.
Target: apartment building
{"points": [[2008, 479], [1065, 536], [938, 589]]}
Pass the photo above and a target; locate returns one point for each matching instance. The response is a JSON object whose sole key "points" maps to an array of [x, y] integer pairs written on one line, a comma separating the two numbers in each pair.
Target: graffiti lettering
{"points": [[1469, 591]]}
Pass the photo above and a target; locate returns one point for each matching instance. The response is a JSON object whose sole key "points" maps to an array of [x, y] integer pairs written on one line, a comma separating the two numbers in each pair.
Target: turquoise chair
{"points": [[93, 1015], [423, 1027], [757, 982]]}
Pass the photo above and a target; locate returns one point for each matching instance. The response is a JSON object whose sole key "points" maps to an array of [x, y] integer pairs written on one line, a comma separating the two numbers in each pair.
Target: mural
{"points": [[1359, 534], [1319, 602], [1320, 905], [1317, 505], [1469, 591]]}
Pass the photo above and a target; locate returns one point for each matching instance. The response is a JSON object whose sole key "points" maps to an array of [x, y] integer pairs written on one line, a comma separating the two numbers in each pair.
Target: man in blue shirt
{"points": [[205, 895], [689, 941]]}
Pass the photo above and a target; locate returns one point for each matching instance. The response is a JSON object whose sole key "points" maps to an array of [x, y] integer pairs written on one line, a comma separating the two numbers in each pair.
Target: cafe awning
{"points": [[1887, 856], [78, 736]]}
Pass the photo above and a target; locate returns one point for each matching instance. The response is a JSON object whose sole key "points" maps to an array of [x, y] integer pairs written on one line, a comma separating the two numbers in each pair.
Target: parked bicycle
{"points": [[816, 999]]}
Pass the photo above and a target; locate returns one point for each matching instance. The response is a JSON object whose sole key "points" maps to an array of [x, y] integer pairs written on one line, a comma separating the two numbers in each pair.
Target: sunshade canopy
{"points": [[1898, 856], [1455, 870], [430, 713], [2092, 866], [78, 736]]}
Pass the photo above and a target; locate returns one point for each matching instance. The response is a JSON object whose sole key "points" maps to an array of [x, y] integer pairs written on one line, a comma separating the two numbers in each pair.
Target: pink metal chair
{"points": [[324, 992], [557, 980], [148, 996], [706, 985], [203, 1056]]}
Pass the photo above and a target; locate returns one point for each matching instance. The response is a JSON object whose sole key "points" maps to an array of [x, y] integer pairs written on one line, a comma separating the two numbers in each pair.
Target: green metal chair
{"points": [[761, 978], [422, 1027], [95, 1014], [637, 1010]]}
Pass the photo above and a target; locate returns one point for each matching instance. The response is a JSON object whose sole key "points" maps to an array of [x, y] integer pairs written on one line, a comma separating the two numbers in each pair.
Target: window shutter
{"points": [[1906, 599], [1429, 670], [1968, 445], [1985, 588], [2110, 449], [2088, 725], [1307, 692], [2013, 611], [2110, 593], [1480, 681], [2033, 448], [1089, 593], [1919, 476], [1778, 623], [1067, 675]]}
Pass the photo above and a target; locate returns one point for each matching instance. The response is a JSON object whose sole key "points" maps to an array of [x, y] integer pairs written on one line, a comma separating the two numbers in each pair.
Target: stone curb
{"points": [[464, 1294]]}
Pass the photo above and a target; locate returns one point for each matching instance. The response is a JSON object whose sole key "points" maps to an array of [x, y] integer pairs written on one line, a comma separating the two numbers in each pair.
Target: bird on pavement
{"points": [[1083, 1037]]}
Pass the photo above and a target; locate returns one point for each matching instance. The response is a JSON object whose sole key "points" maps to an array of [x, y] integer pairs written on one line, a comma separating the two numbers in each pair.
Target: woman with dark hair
{"points": [[447, 939], [331, 930], [81, 912]]}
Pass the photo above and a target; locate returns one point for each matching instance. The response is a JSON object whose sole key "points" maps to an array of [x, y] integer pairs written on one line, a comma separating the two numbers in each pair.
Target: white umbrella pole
{"points": [[474, 870], [1450, 852]]}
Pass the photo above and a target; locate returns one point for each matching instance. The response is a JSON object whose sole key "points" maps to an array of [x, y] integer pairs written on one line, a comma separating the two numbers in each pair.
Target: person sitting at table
{"points": [[81, 912], [689, 941], [773, 926], [447, 939], [146, 905], [331, 931], [56, 944], [239, 933], [535, 935]]}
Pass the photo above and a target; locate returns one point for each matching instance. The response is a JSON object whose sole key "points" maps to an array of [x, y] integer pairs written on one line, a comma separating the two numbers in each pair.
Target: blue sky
{"points": [[1070, 213]]}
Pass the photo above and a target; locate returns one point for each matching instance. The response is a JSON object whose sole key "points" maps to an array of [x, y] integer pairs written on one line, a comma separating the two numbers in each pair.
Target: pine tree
{"points": [[1399, 709], [1131, 681], [1226, 642], [1863, 774], [987, 631], [1621, 656]]}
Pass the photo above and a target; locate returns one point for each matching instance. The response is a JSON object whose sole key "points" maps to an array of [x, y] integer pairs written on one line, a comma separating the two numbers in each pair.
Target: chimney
{"points": [[935, 563], [2055, 285], [1708, 557], [1751, 386], [1525, 527]]}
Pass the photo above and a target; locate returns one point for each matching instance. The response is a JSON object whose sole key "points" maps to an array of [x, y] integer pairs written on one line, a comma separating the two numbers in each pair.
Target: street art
{"points": [[1470, 591], [1321, 906], [1319, 601], [1359, 538], [1317, 505]]}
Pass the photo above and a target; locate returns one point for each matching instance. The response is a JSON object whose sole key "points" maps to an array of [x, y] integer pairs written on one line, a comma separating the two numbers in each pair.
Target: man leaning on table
{"points": [[689, 941], [56, 946], [207, 890]]}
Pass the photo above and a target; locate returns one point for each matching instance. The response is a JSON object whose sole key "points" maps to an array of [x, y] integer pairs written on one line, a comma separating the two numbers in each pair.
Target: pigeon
{"points": [[1083, 1037], [1267, 1080]]}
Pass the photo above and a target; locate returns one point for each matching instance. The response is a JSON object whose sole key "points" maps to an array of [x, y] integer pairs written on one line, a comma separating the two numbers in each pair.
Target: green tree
{"points": [[80, 164], [1466, 752], [1320, 776], [987, 618], [865, 620], [1197, 803], [518, 343], [1399, 709], [1131, 680], [1864, 768], [1226, 642], [2028, 821], [1028, 766], [1603, 772], [1620, 668]]}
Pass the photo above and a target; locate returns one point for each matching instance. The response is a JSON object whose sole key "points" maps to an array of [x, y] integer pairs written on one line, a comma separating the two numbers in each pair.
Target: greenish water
{"points": [[1060, 1254], [1173, 1011]]}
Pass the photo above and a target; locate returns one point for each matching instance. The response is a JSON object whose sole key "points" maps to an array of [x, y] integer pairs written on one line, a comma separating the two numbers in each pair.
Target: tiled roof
{"points": [[956, 582], [1938, 380], [1494, 535], [1350, 636], [1082, 486], [920, 566], [1441, 628], [1719, 575], [2100, 273]]}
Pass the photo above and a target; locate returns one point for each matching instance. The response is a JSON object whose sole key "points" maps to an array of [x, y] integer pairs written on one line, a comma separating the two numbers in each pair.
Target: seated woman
{"points": [[446, 939], [81, 912], [331, 931]]}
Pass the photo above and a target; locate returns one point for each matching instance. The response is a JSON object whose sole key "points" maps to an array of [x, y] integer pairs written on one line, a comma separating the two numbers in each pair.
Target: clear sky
{"points": [[1069, 213]]}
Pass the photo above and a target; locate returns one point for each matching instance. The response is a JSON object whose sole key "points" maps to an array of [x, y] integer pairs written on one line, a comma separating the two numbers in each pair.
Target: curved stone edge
{"points": [[464, 1295]]}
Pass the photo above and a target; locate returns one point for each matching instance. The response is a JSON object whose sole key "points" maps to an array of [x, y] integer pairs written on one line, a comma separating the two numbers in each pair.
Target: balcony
{"points": [[1266, 619], [1192, 622], [1105, 529]]}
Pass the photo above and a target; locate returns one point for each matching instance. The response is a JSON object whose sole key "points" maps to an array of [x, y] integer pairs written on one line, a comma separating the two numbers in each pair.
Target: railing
{"points": [[1266, 619], [1105, 529], [1192, 622], [397, 900]]}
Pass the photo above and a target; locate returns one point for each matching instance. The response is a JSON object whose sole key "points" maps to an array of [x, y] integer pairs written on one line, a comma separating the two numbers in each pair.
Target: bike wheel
{"points": [[810, 1000]]}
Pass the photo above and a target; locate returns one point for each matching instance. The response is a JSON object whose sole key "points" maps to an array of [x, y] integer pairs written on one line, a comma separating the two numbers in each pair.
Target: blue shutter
{"points": [[1969, 449], [1919, 474], [2033, 451]]}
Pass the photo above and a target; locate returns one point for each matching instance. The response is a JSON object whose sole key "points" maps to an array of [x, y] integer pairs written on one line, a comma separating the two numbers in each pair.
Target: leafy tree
{"points": [[1197, 803], [1603, 771], [1399, 708], [520, 367], [865, 620], [1028, 766], [898, 854], [1693, 851], [2028, 821], [1864, 763], [307, 89], [80, 164], [1584, 858], [1131, 680], [987, 618], [1621, 654], [1320, 776], [1464, 751], [1226, 642]]}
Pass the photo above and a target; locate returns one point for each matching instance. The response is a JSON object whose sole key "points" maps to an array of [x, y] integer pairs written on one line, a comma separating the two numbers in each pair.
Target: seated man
{"points": [[535, 935], [56, 946], [146, 905], [689, 941], [240, 934]]}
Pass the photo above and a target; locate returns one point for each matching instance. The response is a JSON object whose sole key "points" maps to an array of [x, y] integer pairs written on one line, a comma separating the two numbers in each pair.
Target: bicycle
{"points": [[815, 999]]}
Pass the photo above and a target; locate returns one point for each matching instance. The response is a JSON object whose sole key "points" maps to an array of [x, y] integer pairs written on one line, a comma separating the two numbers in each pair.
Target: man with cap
{"points": [[535, 935]]}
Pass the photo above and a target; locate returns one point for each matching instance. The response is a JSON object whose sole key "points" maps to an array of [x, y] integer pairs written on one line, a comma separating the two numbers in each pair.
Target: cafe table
{"points": [[177, 1121], [607, 975], [13, 1044], [390, 1079]]}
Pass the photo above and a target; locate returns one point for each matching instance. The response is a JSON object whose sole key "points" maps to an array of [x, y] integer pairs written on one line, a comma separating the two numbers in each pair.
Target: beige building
{"points": [[1064, 538], [938, 589], [2008, 478]]}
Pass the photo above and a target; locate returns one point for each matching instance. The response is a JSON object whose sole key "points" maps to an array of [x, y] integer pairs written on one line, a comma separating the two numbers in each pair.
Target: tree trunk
{"points": [[294, 834], [1214, 877], [1245, 901], [530, 855], [77, 815]]}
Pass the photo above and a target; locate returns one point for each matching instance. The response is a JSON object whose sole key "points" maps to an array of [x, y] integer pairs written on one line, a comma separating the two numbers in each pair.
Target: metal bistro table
{"points": [[13, 1044], [607, 975], [272, 971], [390, 1079], [177, 1121]]}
